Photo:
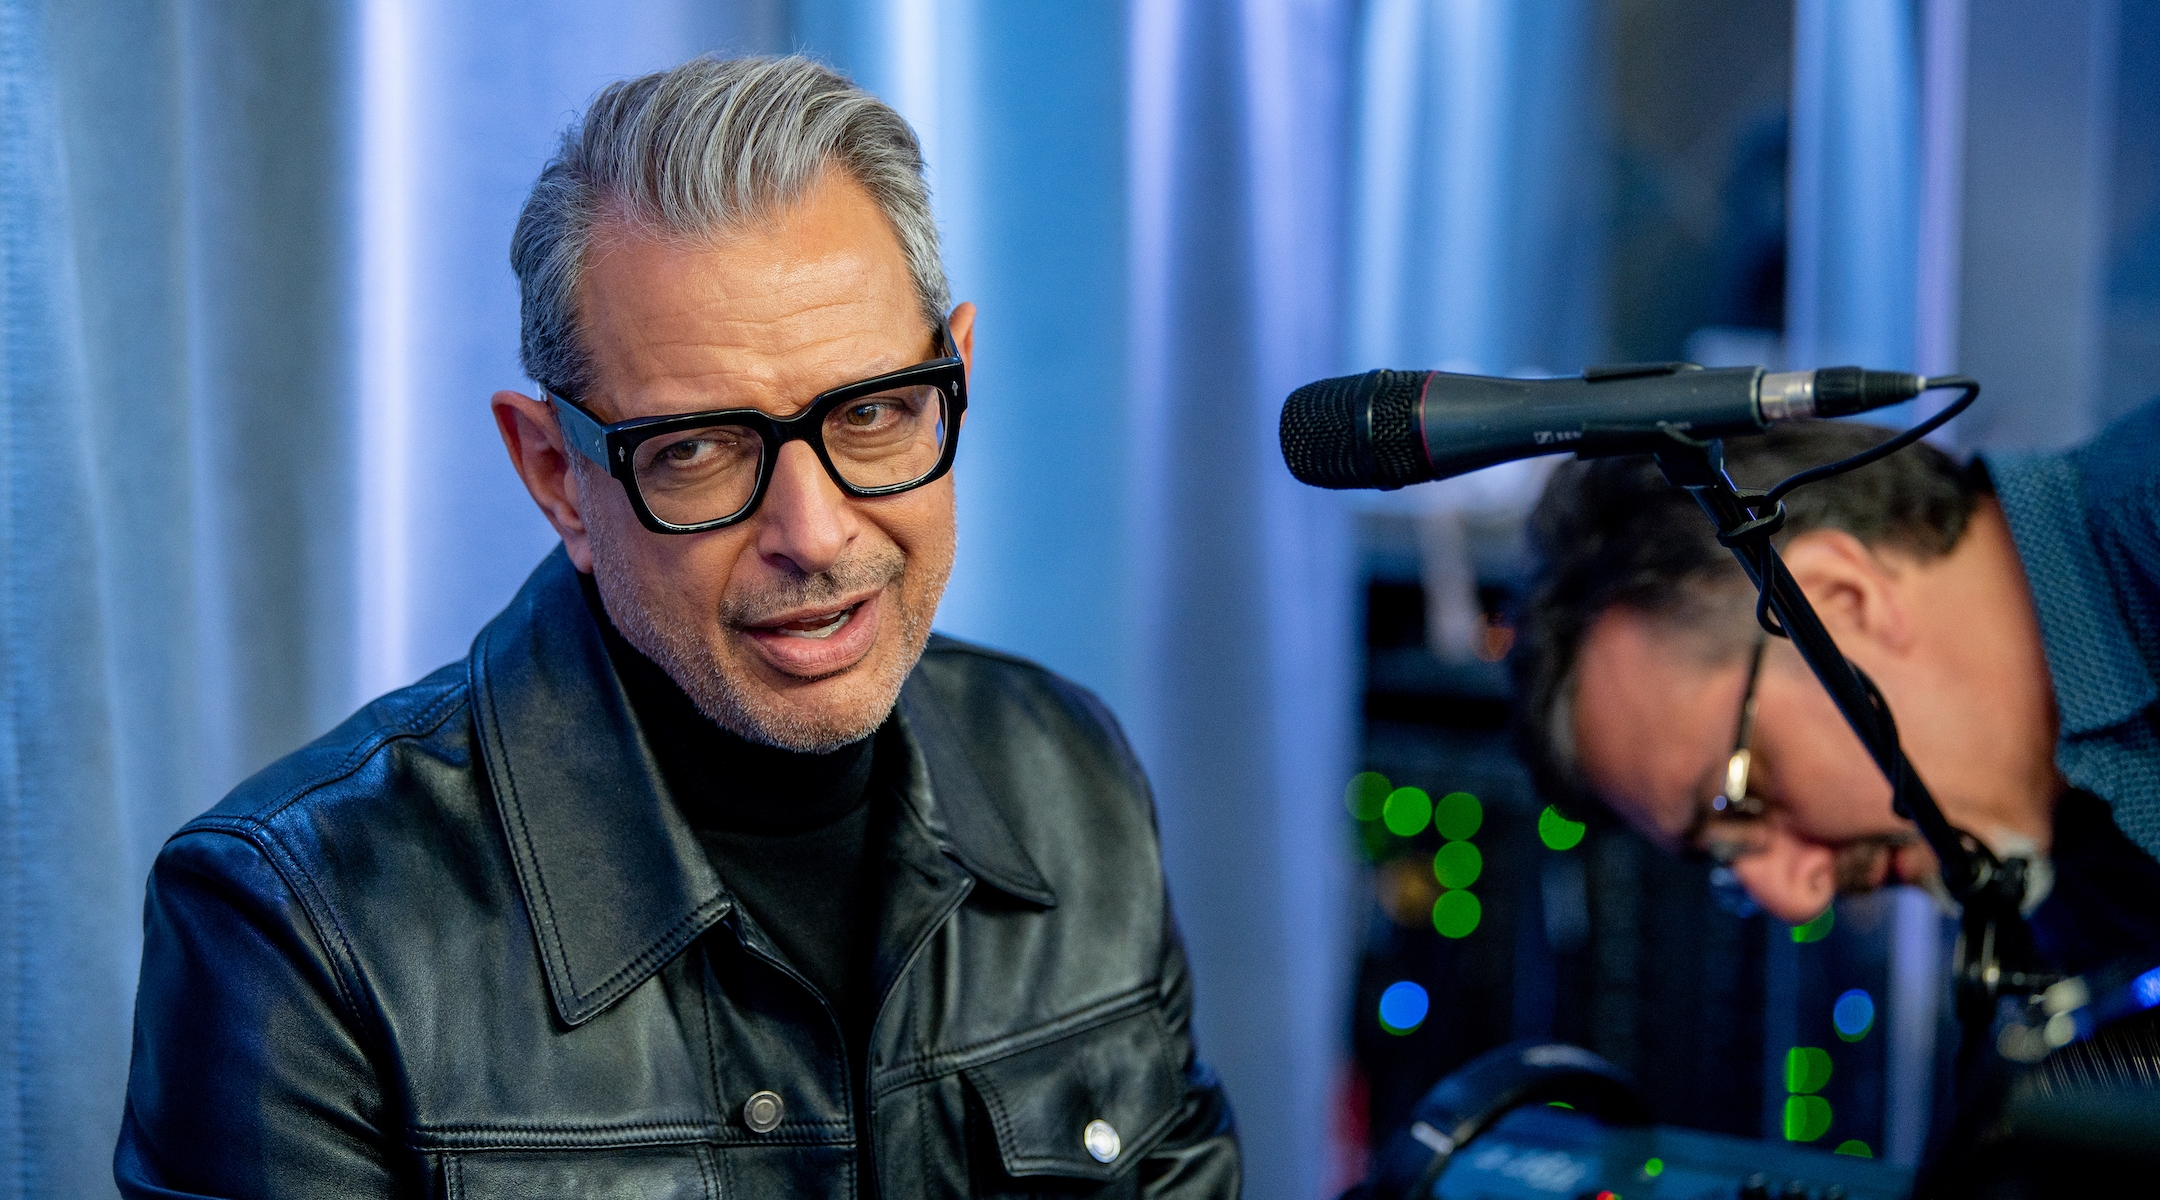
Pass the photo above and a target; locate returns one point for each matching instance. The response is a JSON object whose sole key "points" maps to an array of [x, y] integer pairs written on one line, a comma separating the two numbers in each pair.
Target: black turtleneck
{"points": [[789, 834]]}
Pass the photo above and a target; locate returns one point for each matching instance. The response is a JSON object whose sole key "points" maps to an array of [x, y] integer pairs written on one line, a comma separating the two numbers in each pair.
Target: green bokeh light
{"points": [[1817, 929], [1557, 832], [1806, 1118], [1366, 794], [1458, 816], [1858, 1149], [1654, 1168], [1807, 1069], [1407, 811], [1456, 914], [1457, 865], [1372, 839]]}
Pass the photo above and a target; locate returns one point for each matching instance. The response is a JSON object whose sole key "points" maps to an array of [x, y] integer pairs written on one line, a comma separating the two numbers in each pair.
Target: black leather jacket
{"points": [[465, 946]]}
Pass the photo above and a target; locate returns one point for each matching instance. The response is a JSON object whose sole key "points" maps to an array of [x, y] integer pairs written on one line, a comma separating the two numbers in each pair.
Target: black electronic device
{"points": [[1543, 1153], [1546, 1120]]}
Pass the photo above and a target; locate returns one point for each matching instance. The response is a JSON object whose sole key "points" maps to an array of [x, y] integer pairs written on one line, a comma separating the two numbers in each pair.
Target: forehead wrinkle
{"points": [[720, 341]]}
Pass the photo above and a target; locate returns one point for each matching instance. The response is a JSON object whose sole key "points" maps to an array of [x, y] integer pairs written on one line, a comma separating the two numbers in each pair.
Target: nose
{"points": [[1792, 878], [805, 522]]}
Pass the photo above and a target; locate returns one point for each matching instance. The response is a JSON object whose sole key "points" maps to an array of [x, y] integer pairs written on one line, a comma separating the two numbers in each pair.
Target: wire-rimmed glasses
{"points": [[1729, 826]]}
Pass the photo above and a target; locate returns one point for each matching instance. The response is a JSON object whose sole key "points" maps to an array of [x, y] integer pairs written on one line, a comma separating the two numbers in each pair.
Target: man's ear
{"points": [[534, 440], [962, 324], [1859, 593]]}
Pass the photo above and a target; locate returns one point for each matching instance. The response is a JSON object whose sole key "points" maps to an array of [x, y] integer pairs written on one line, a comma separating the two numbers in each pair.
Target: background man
{"points": [[702, 875], [2006, 610]]}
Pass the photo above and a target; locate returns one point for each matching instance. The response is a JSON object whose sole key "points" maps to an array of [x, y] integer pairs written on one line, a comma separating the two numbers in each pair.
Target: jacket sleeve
{"points": [[1199, 1157], [248, 1078]]}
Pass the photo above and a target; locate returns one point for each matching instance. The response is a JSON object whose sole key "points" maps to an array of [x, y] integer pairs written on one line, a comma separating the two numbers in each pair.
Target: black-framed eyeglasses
{"points": [[1728, 827], [690, 472]]}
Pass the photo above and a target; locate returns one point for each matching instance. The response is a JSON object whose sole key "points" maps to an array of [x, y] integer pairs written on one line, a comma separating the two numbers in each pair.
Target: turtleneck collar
{"points": [[720, 780]]}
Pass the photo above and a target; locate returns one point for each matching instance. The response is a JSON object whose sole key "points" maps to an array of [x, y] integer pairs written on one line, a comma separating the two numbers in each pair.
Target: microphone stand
{"points": [[1995, 953]]}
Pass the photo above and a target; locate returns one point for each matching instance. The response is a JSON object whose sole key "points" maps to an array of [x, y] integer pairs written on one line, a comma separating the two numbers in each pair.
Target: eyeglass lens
{"points": [[709, 473]]}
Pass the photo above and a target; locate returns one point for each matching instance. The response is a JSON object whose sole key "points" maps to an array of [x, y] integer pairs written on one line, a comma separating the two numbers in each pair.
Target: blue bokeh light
{"points": [[1853, 1014], [2146, 988], [1403, 1007]]}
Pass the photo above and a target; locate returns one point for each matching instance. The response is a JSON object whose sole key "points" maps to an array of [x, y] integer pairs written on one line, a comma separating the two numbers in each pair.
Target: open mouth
{"points": [[816, 627], [813, 643]]}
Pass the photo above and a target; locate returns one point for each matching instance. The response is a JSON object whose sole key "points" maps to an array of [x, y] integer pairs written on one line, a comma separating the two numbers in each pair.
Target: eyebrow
{"points": [[882, 364]]}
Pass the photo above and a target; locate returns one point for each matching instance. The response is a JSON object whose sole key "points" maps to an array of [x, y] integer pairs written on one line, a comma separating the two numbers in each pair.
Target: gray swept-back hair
{"points": [[696, 152]]}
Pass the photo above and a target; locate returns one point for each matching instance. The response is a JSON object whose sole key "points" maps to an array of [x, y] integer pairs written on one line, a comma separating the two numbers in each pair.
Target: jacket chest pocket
{"points": [[1075, 1116], [641, 1173]]}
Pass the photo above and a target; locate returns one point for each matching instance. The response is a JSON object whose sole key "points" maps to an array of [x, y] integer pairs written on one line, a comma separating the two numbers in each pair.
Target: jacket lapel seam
{"points": [[553, 934], [523, 853], [966, 795], [581, 1004], [650, 959]]}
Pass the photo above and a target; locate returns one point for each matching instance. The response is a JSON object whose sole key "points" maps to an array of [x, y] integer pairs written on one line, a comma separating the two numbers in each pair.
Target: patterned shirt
{"points": [[2087, 526]]}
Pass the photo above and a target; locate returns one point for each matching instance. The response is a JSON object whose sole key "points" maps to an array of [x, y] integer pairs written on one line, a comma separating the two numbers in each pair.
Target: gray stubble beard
{"points": [[679, 647]]}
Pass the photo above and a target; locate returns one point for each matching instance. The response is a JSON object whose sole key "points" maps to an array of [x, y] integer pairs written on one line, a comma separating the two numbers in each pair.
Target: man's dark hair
{"points": [[1613, 533]]}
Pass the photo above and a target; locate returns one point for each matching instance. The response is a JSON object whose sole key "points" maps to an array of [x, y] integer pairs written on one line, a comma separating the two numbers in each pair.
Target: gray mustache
{"points": [[873, 570]]}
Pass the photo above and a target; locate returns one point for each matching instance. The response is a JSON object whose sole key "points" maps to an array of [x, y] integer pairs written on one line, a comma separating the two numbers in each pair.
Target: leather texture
{"points": [[465, 946]]}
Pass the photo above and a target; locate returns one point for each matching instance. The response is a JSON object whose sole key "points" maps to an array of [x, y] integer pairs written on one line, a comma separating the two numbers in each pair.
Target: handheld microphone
{"points": [[1389, 429]]}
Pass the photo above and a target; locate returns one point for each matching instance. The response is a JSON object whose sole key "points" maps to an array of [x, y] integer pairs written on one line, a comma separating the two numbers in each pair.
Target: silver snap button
{"points": [[1101, 1140], [761, 1112]]}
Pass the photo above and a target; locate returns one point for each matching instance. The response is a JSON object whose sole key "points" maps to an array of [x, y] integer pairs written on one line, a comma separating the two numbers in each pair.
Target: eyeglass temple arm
{"points": [[580, 430]]}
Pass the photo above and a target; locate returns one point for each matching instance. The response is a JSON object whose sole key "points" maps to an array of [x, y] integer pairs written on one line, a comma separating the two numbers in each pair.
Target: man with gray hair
{"points": [[710, 871]]}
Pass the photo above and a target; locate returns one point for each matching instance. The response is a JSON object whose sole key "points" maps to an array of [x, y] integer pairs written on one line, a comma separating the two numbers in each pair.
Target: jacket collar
{"points": [[612, 876]]}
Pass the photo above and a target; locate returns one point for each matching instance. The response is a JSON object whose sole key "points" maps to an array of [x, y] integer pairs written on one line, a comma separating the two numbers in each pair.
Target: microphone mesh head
{"points": [[1398, 451], [1319, 433]]}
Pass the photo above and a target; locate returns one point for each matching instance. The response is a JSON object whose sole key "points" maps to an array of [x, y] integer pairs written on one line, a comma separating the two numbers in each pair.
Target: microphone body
{"points": [[1389, 429]]}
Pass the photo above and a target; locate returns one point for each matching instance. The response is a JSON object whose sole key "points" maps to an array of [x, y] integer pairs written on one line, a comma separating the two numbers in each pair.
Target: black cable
{"points": [[1768, 523], [1971, 387]]}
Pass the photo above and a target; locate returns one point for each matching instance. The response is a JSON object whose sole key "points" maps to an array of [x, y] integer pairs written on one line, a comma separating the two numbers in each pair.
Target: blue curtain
{"points": [[65, 971], [1480, 201], [2060, 241], [1853, 254], [256, 299], [193, 529], [1237, 143]]}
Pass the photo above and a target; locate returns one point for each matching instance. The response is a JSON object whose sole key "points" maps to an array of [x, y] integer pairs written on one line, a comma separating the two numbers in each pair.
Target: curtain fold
{"points": [[94, 697], [1853, 257], [1478, 227], [1244, 701], [1477, 232]]}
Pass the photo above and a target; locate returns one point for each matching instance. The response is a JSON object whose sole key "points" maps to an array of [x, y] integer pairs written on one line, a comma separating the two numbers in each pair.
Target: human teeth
{"points": [[831, 626]]}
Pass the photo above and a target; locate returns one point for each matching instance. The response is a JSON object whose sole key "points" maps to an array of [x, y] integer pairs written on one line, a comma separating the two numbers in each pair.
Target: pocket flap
{"points": [[1087, 1106], [655, 1173]]}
